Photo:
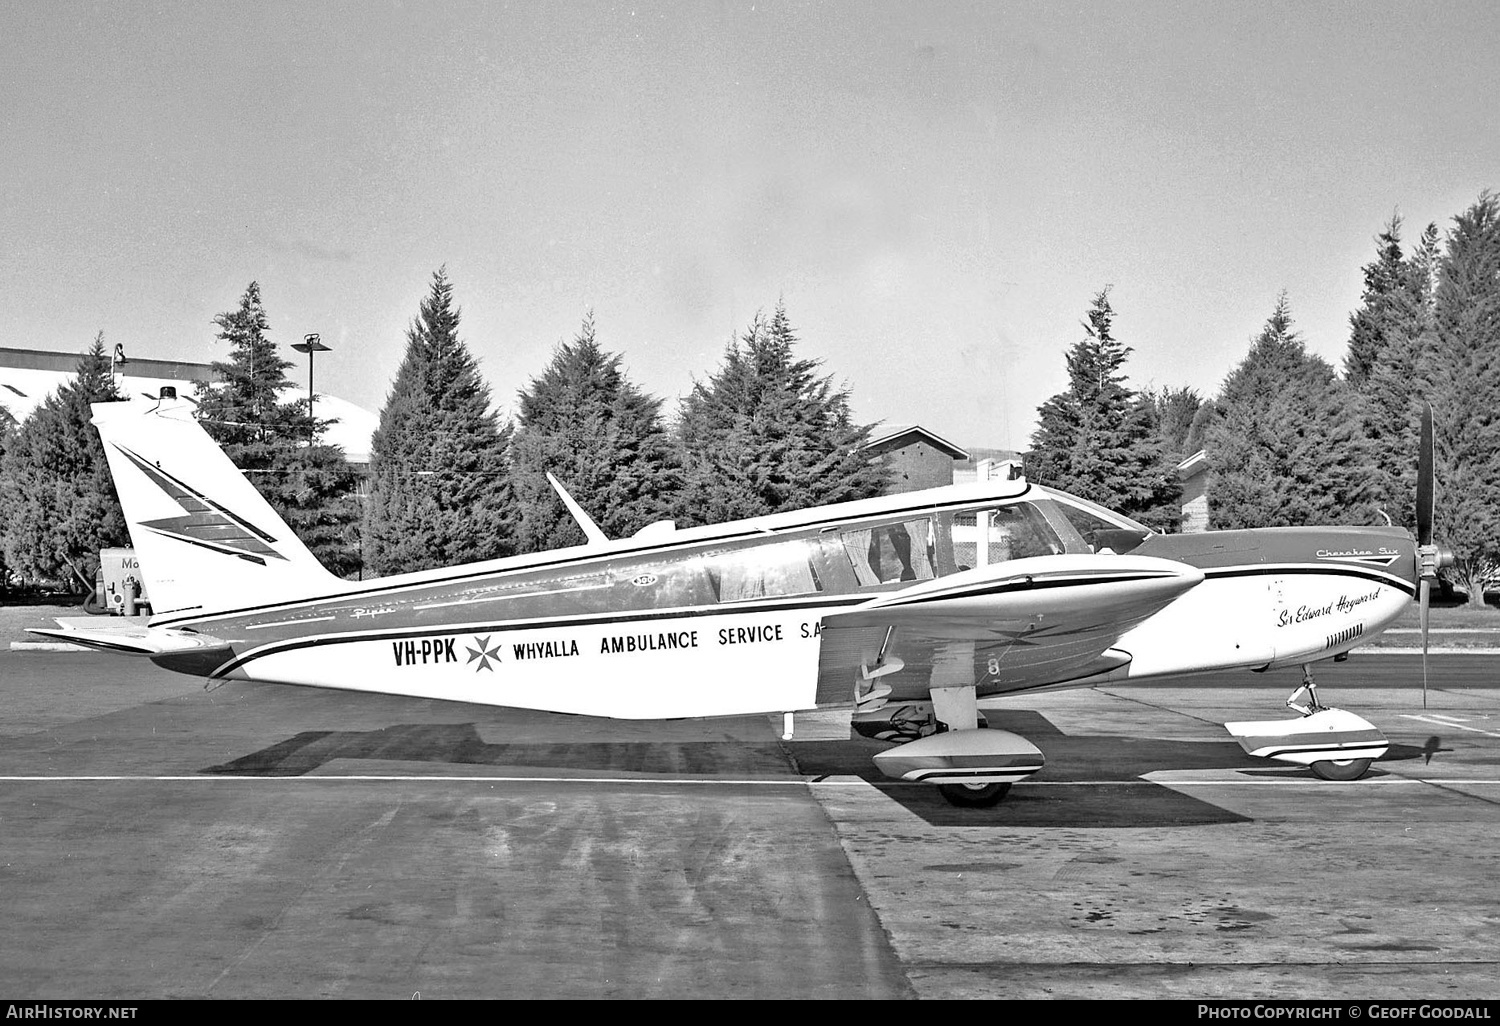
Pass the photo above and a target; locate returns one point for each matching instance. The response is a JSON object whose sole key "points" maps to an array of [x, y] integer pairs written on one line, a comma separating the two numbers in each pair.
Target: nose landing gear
{"points": [[1333, 743]]}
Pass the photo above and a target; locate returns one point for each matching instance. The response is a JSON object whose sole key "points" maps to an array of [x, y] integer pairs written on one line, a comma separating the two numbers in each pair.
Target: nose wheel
{"points": [[1340, 769]]}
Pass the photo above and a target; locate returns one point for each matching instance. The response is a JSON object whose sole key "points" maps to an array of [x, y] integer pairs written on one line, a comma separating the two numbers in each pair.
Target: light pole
{"points": [[310, 344]]}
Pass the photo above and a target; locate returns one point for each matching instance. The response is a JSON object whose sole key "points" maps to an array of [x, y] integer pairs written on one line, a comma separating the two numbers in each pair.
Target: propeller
{"points": [[1430, 557]]}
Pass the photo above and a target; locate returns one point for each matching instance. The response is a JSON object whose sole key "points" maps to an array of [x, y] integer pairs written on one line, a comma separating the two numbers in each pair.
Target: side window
{"points": [[765, 571], [983, 537], [1099, 533], [892, 552]]}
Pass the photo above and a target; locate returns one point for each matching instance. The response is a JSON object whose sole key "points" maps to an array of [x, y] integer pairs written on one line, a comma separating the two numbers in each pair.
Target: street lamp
{"points": [[310, 344]]}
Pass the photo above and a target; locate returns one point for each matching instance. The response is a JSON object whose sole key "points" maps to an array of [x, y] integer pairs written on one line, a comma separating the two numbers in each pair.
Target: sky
{"points": [[936, 191]]}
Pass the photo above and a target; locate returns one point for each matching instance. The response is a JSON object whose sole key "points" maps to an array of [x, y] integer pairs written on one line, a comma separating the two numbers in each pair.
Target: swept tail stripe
{"points": [[208, 524], [185, 491]]}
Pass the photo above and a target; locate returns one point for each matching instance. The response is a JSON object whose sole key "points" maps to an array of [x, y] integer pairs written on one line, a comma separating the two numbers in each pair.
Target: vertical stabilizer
{"points": [[205, 538]]}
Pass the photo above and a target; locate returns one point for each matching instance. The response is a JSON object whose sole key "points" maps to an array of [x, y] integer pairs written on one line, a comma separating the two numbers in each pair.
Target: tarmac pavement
{"points": [[162, 840]]}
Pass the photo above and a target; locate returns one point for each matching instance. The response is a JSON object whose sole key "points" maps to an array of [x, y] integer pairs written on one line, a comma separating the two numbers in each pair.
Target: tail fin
{"points": [[205, 538]]}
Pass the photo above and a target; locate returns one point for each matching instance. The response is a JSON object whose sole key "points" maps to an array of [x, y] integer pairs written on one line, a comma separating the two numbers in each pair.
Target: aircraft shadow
{"points": [[1083, 772], [460, 744]]}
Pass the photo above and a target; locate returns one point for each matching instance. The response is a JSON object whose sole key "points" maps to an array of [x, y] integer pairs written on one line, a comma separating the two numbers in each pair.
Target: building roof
{"points": [[1195, 464], [28, 376], [892, 436]]}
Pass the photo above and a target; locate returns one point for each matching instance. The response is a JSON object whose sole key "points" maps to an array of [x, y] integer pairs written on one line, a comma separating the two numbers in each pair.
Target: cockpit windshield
{"points": [[1100, 528]]}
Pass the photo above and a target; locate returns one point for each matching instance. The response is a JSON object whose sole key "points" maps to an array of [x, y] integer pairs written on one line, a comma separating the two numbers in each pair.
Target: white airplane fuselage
{"points": [[661, 628]]}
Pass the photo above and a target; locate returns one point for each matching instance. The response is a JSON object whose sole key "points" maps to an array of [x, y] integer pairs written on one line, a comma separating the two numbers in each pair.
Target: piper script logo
{"points": [[207, 524]]}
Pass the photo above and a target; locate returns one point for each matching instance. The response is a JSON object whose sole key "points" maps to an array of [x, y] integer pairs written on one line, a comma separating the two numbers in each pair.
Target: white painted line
{"points": [[46, 646], [1291, 779], [289, 623], [498, 597], [1442, 630], [1417, 650], [1445, 722]]}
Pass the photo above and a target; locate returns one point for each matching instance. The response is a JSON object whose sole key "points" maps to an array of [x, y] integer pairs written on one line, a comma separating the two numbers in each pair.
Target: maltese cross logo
{"points": [[484, 653]]}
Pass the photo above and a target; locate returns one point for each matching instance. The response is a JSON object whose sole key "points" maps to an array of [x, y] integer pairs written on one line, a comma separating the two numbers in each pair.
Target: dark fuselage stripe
{"points": [[1026, 583], [1319, 570]]}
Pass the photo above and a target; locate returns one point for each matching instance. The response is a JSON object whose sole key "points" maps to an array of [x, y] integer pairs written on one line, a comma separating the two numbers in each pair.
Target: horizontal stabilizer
{"points": [[135, 639]]}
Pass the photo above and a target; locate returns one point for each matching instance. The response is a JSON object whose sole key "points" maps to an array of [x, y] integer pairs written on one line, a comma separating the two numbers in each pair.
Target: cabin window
{"points": [[983, 537], [766, 571], [892, 552], [1099, 532]]}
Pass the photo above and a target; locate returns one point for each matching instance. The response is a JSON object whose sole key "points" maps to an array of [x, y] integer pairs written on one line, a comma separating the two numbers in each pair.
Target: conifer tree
{"points": [[583, 421], [1401, 368], [1369, 326], [766, 433], [57, 498], [1466, 390], [440, 486], [311, 487], [1289, 441], [1176, 411], [1099, 440]]}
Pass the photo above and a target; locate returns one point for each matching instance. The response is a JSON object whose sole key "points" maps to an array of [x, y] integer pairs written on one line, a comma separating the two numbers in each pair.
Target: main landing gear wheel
{"points": [[973, 796], [1340, 769]]}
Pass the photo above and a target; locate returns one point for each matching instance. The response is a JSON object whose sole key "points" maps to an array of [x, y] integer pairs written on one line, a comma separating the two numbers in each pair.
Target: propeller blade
{"points": [[1426, 456], [1424, 597]]}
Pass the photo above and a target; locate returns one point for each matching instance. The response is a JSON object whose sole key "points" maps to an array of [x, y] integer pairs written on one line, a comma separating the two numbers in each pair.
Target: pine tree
{"points": [[1400, 374], [57, 498], [1288, 444], [1369, 326], [584, 422], [1466, 390], [1176, 411], [311, 487], [766, 433], [1101, 441], [440, 484]]}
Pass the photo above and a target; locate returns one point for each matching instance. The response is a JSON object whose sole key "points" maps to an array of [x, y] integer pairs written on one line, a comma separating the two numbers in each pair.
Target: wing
{"points": [[1014, 626]]}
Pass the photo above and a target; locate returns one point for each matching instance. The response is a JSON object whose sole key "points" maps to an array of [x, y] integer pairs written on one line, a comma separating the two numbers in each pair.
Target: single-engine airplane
{"points": [[906, 609]]}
